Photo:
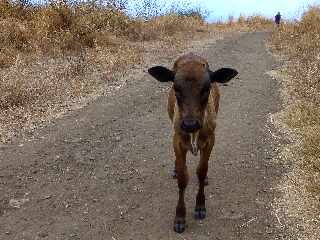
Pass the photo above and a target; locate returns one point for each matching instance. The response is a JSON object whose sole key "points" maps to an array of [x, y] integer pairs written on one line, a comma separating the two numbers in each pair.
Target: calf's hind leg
{"points": [[182, 177], [202, 170]]}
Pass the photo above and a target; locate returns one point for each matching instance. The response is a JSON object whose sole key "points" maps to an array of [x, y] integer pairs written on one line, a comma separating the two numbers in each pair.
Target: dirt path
{"points": [[102, 172]]}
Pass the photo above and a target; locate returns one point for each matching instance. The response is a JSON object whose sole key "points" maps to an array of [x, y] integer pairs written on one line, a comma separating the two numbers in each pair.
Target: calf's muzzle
{"points": [[190, 125]]}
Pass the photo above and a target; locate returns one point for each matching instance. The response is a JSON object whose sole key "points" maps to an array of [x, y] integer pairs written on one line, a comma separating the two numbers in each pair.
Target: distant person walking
{"points": [[277, 19]]}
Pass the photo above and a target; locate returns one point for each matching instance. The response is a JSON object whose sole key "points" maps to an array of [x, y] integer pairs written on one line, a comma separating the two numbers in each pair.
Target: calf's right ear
{"points": [[162, 74], [223, 75]]}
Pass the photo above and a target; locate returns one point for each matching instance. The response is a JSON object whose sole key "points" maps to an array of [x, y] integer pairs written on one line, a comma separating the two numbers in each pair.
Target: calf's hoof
{"points": [[179, 226], [200, 213]]}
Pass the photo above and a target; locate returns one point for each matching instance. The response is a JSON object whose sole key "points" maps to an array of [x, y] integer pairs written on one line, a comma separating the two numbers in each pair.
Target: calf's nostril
{"points": [[190, 125]]}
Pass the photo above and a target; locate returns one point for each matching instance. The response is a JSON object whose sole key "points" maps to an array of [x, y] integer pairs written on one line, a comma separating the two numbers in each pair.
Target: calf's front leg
{"points": [[202, 170], [182, 177]]}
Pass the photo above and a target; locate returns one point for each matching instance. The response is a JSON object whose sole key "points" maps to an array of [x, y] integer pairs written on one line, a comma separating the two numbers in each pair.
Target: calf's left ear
{"points": [[223, 75], [162, 74]]}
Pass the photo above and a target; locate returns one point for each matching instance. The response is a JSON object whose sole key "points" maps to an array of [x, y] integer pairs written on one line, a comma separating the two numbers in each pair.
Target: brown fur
{"points": [[191, 62], [193, 105], [194, 66], [211, 112]]}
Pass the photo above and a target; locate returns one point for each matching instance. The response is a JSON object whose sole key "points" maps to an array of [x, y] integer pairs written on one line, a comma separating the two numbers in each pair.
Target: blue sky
{"points": [[222, 9], [288, 8]]}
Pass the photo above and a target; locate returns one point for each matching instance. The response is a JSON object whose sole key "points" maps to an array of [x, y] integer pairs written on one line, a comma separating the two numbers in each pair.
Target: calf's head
{"points": [[192, 81]]}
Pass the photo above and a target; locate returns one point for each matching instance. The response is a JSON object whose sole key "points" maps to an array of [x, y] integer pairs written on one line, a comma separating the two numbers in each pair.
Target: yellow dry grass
{"points": [[299, 42], [246, 24], [53, 56]]}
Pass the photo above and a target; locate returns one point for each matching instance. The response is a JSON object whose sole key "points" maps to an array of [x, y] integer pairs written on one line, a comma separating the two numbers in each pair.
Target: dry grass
{"points": [[243, 23], [56, 55], [255, 23], [172, 25], [299, 42], [53, 56]]}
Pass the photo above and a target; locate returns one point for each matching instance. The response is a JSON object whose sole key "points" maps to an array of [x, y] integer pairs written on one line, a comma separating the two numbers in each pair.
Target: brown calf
{"points": [[192, 106]]}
